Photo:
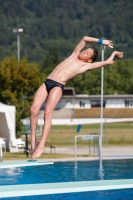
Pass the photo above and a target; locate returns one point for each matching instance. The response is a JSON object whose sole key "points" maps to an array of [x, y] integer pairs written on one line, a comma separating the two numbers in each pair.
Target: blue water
{"points": [[65, 172]]}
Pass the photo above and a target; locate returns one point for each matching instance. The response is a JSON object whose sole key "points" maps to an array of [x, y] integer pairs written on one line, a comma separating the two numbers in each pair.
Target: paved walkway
{"points": [[83, 153], [106, 151]]}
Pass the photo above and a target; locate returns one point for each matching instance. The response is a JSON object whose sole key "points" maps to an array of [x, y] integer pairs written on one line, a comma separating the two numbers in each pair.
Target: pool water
{"points": [[68, 171]]}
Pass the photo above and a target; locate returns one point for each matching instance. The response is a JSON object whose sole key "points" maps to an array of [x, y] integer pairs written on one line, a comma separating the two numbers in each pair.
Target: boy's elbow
{"points": [[85, 38]]}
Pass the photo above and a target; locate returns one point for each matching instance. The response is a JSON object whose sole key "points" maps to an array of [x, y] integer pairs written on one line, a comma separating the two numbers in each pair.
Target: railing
{"points": [[89, 138]]}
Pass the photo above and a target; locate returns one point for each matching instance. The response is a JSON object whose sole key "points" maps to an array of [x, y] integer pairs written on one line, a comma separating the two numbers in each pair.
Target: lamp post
{"points": [[102, 77], [18, 31]]}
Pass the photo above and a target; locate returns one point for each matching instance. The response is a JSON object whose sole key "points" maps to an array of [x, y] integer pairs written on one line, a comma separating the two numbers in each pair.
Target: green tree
{"points": [[118, 78], [51, 61], [18, 82], [62, 24]]}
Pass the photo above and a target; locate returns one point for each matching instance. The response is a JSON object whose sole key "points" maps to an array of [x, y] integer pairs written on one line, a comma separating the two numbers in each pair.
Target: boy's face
{"points": [[86, 55]]}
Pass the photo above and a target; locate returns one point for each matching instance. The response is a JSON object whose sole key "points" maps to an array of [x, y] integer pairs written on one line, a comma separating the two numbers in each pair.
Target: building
{"points": [[71, 100], [90, 101]]}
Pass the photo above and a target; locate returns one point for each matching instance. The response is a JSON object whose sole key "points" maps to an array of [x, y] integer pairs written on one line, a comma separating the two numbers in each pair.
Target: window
{"points": [[82, 104], [128, 104], [97, 103]]}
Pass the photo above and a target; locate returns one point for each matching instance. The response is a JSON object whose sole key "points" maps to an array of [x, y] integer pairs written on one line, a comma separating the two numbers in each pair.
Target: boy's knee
{"points": [[47, 114], [33, 111]]}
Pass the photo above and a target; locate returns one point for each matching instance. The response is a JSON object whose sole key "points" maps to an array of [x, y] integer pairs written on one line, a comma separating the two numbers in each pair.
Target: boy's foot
{"points": [[39, 150], [34, 146]]}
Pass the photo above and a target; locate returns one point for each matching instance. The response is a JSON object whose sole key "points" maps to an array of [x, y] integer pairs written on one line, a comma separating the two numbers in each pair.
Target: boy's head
{"points": [[88, 55]]}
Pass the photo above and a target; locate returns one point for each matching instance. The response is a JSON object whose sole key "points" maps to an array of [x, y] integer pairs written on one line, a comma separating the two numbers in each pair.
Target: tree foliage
{"points": [[118, 78], [62, 23], [51, 61], [18, 82]]}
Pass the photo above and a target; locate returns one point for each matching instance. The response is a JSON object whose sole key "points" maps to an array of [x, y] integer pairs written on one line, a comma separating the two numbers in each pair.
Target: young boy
{"points": [[52, 88]]}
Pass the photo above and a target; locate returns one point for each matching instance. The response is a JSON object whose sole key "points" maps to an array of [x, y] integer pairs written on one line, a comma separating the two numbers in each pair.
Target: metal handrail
{"points": [[84, 137]]}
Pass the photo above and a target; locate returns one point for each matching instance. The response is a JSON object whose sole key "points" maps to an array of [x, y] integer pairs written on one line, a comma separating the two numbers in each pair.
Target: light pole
{"points": [[102, 77], [18, 31]]}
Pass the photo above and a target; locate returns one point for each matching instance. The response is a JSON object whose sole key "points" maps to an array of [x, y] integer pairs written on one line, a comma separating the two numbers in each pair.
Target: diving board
{"points": [[63, 187], [24, 163]]}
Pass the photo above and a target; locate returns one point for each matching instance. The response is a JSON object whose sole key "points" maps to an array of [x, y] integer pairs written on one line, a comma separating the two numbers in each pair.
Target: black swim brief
{"points": [[50, 84]]}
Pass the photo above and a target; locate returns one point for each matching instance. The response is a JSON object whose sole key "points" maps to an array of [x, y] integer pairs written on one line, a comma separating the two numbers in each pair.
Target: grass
{"points": [[22, 156], [113, 134]]}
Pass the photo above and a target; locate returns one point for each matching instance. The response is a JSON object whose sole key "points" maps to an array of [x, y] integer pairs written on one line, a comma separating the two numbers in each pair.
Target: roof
{"points": [[105, 97]]}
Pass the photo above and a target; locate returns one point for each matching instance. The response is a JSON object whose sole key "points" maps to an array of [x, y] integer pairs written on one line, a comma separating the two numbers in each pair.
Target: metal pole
{"points": [[72, 115], [105, 124], [101, 126], [18, 31], [75, 151], [18, 46]]}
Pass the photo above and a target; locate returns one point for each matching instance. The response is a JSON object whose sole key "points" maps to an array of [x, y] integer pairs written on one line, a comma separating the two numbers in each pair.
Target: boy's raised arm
{"points": [[87, 39], [110, 60]]}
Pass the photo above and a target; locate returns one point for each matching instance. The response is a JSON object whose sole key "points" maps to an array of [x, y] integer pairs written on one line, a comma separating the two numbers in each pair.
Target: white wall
{"points": [[86, 103], [115, 103], [4, 128], [69, 103]]}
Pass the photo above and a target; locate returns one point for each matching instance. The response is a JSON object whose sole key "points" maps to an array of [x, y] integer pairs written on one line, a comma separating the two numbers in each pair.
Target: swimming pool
{"points": [[67, 172]]}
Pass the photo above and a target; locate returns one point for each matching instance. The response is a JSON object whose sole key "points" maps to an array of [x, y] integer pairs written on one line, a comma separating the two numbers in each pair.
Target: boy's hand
{"points": [[119, 54], [108, 43]]}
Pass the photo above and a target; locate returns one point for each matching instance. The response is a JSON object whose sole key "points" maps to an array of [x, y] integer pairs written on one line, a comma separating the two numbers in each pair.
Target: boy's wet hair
{"points": [[95, 54]]}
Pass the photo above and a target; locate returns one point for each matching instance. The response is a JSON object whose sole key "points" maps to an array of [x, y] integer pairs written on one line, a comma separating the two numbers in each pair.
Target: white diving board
{"points": [[24, 163], [63, 187]]}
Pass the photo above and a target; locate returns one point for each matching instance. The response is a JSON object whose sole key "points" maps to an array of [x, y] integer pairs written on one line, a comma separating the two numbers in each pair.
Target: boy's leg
{"points": [[53, 98], [38, 100]]}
